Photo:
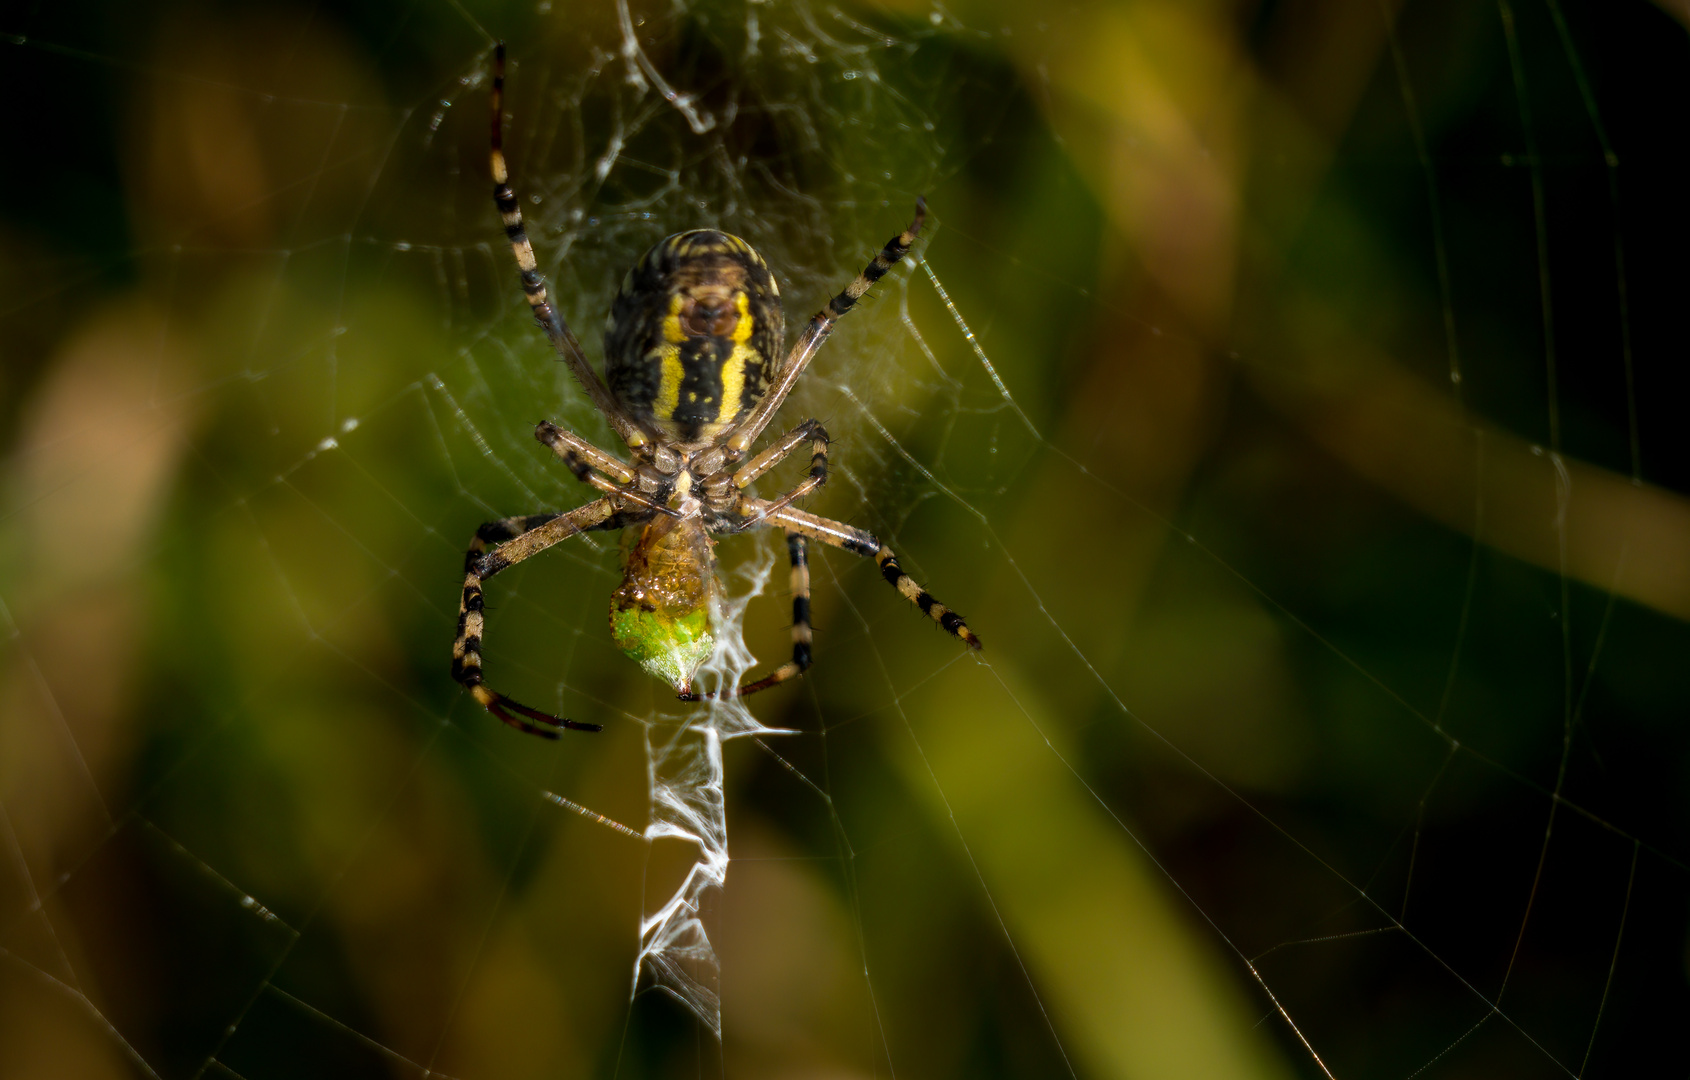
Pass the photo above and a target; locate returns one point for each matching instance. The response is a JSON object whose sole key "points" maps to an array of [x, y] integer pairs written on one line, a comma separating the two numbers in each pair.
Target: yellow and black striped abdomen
{"points": [[693, 336]]}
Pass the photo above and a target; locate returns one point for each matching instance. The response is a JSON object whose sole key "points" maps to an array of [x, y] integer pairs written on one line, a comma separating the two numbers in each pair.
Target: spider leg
{"points": [[517, 538], [747, 474], [817, 477], [811, 431], [796, 551], [534, 286], [862, 542], [582, 456], [816, 332]]}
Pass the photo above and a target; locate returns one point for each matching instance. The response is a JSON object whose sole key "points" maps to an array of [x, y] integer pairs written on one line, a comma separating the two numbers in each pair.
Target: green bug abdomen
{"points": [[661, 614]]}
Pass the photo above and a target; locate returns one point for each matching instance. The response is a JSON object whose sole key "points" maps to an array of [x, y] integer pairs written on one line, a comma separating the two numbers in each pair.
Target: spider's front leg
{"points": [[534, 286], [820, 326], [517, 539]]}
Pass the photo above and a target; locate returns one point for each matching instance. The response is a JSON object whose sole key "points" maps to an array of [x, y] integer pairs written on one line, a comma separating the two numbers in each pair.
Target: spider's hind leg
{"points": [[797, 552], [517, 538], [861, 542], [801, 526]]}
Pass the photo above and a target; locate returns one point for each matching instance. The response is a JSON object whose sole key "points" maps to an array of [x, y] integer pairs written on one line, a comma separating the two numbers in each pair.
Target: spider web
{"points": [[1280, 396]]}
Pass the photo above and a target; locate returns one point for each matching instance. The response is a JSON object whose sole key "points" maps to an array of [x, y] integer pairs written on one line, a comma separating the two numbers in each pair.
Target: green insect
{"points": [[691, 381]]}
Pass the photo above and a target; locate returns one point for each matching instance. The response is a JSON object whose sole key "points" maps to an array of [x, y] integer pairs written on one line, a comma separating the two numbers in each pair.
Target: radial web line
{"points": [[979, 350]]}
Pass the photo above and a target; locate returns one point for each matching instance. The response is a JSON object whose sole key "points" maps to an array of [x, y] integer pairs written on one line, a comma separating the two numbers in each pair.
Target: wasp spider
{"points": [[691, 381]]}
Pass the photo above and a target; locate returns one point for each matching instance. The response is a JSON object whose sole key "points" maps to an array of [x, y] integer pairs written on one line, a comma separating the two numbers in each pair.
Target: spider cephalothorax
{"points": [[691, 381]]}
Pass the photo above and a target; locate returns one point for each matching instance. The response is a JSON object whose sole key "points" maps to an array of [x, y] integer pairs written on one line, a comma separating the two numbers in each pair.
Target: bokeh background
{"points": [[1285, 398]]}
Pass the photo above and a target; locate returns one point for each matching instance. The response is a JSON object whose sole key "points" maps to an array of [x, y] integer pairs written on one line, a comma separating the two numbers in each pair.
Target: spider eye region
{"points": [[691, 334]]}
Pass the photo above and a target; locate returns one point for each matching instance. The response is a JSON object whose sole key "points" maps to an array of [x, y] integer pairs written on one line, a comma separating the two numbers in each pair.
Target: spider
{"points": [[691, 382]]}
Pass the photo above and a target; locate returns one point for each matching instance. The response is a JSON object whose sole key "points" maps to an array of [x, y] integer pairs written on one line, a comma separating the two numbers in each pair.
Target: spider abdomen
{"points": [[691, 336]]}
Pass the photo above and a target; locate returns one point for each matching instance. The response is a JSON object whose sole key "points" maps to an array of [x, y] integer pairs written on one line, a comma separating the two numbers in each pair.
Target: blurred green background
{"points": [[1284, 398]]}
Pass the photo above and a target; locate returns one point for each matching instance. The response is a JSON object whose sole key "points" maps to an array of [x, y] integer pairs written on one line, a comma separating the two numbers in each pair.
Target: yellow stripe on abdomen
{"points": [[668, 357], [733, 371], [669, 384], [672, 332]]}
